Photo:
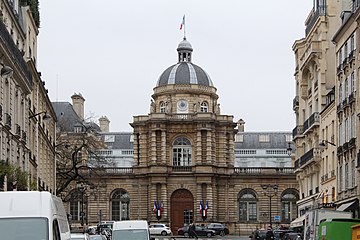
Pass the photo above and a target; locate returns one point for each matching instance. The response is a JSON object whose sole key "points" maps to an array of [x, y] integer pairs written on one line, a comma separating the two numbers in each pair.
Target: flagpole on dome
{"points": [[182, 26]]}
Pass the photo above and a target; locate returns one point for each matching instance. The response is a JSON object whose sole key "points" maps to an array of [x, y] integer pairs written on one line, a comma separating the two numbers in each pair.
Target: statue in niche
{"points": [[152, 106], [217, 108], [197, 106], [168, 105]]}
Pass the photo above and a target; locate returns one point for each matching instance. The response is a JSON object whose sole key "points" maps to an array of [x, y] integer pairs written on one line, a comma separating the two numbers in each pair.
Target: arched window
{"points": [[247, 205], [181, 152], [119, 203], [162, 107], [288, 205], [78, 203], [204, 107]]}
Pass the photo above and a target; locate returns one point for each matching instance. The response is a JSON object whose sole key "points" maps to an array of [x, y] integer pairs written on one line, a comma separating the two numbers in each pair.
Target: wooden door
{"points": [[182, 209]]}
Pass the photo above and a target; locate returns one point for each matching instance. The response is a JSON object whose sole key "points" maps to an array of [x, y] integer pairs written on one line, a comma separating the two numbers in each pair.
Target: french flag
{"points": [[183, 22]]}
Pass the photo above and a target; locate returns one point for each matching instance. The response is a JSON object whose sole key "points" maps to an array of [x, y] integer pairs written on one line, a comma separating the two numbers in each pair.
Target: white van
{"points": [[32, 215], [131, 230]]}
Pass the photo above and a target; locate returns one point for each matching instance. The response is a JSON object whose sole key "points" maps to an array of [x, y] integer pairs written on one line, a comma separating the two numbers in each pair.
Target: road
{"points": [[229, 237]]}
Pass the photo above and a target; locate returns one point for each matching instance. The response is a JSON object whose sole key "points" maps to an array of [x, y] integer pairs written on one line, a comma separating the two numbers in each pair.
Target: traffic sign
{"points": [[276, 218]]}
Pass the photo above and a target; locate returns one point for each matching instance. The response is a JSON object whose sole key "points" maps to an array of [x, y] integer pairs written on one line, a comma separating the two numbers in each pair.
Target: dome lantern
{"points": [[184, 72], [184, 51]]}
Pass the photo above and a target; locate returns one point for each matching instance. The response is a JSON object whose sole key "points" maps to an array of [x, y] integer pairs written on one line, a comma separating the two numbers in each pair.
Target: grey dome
{"points": [[184, 73], [185, 45]]}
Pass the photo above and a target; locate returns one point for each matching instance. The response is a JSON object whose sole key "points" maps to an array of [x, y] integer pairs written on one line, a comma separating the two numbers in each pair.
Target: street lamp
{"points": [[46, 116], [324, 143], [270, 190], [81, 188]]}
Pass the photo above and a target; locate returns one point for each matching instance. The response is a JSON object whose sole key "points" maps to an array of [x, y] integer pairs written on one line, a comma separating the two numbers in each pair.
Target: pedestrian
{"points": [[192, 230]]}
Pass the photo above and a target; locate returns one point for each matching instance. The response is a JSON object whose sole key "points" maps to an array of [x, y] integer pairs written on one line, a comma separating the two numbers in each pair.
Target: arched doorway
{"points": [[182, 209]]}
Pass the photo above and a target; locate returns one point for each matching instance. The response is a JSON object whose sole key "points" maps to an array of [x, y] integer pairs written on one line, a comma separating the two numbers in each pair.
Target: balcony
{"points": [[181, 168], [351, 98], [7, 40], [296, 103], [7, 121], [23, 136], [263, 170], [17, 130], [352, 143], [311, 156], [320, 11], [312, 121], [339, 108], [297, 131]]}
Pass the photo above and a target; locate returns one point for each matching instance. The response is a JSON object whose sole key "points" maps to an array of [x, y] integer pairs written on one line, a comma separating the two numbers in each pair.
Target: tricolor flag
{"points": [[155, 207], [207, 205], [183, 22]]}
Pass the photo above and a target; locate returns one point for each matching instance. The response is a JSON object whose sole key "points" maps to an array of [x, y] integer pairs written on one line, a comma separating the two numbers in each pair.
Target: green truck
{"points": [[336, 228]]}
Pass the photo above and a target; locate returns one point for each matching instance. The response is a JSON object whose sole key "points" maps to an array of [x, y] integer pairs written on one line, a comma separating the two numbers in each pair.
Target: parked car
{"points": [[97, 237], [159, 229], [279, 234], [292, 236], [79, 236], [219, 228], [262, 235], [200, 231]]}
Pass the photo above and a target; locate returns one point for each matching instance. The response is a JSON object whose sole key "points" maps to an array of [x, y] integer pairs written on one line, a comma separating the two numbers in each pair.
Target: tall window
{"points": [[247, 205], [162, 107], [120, 201], [76, 204], [288, 205], [204, 107], [182, 152]]}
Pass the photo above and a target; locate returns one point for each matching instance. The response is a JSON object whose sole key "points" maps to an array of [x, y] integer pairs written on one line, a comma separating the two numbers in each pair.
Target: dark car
{"points": [[200, 231], [292, 236], [220, 229], [279, 234], [262, 235]]}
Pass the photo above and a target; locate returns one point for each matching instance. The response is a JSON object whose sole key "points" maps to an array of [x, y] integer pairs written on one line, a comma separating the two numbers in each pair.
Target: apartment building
{"points": [[346, 47], [314, 80], [27, 120]]}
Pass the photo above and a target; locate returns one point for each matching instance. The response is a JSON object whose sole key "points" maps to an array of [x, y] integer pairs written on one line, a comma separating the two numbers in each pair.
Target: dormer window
{"points": [[204, 107], [77, 129]]}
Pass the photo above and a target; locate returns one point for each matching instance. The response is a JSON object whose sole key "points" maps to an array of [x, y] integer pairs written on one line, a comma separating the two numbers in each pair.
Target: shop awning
{"points": [[298, 222], [344, 206]]}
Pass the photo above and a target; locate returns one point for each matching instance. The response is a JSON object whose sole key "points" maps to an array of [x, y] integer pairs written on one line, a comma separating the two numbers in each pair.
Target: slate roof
{"points": [[277, 140], [122, 140], [68, 119]]}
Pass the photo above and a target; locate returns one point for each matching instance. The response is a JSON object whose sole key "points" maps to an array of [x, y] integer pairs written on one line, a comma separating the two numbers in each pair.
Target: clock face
{"points": [[182, 105]]}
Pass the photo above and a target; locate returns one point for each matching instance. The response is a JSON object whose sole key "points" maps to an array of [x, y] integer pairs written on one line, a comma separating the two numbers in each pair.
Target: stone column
{"points": [[208, 147], [198, 146], [153, 148], [163, 148], [165, 201]]}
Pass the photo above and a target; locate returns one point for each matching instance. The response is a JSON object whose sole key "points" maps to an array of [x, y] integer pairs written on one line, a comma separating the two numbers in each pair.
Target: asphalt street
{"points": [[228, 237]]}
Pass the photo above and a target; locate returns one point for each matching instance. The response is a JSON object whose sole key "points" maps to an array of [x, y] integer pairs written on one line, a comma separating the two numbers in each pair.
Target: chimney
{"points": [[241, 125], [104, 124], [78, 104]]}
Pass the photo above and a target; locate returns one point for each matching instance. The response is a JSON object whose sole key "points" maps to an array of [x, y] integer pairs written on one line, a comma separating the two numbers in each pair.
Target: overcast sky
{"points": [[113, 52]]}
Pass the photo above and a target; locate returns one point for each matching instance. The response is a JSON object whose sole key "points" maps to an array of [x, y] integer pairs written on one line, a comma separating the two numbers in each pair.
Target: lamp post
{"points": [[81, 188], [46, 116], [270, 190]]}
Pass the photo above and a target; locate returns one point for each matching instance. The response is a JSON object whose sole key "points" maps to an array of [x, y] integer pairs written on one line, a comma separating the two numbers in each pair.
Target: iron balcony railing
{"points": [[264, 170], [295, 102], [320, 11], [298, 130], [314, 118], [8, 41], [313, 154]]}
